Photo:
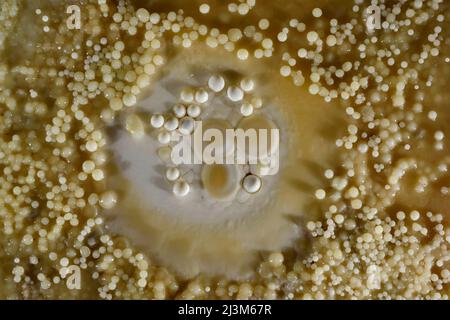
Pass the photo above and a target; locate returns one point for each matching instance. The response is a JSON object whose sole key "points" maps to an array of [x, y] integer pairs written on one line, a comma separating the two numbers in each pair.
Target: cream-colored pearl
{"points": [[172, 174], [157, 121], [216, 83], [108, 199], [194, 111], [181, 188], [252, 183], [235, 94], [171, 124], [246, 109]]}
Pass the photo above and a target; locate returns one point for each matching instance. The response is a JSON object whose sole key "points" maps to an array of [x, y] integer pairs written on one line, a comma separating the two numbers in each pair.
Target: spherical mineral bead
{"points": [[216, 83], [164, 137], [317, 12], [329, 174], [181, 188], [242, 54], [267, 43], [320, 194], [339, 219], [186, 126], [143, 80], [129, 100], [194, 111], [282, 36], [179, 110], [100, 158], [415, 215], [187, 95], [108, 200], [171, 124], [243, 9], [246, 109], [276, 259], [235, 34], [247, 85], [155, 18], [314, 89], [157, 121], [201, 96], [204, 8], [312, 36], [252, 183], [143, 15], [91, 146], [264, 24], [116, 104], [285, 71], [235, 94], [172, 174], [88, 166], [97, 175], [438, 135], [331, 40]]}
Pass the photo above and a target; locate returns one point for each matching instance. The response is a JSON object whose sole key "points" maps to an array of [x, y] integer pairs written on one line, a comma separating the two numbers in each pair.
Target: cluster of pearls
{"points": [[180, 121]]}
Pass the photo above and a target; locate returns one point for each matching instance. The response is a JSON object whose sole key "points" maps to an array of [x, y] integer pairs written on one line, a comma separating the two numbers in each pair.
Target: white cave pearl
{"points": [[201, 96], [179, 110], [252, 183], [187, 95], [157, 121], [171, 124], [91, 146], [186, 126], [181, 188], [129, 99], [204, 8], [235, 94], [194, 111], [164, 137], [108, 199], [216, 83], [172, 174], [246, 109], [247, 85]]}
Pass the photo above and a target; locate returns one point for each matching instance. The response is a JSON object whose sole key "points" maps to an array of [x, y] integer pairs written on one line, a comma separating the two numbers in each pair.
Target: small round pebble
{"points": [[172, 174], [320, 194], [108, 200], [187, 95], [201, 96], [129, 99], [247, 85], [235, 94], [246, 109], [216, 83], [252, 183], [186, 126], [179, 110], [171, 124], [204, 8], [164, 137], [181, 188], [317, 12], [194, 111], [157, 121]]}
